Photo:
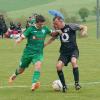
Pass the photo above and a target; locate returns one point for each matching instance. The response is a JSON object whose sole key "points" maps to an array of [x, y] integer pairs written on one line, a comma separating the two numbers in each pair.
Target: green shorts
{"points": [[27, 59]]}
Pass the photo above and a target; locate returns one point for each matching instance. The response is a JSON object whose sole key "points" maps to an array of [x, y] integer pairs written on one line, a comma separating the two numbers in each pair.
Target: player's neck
{"points": [[63, 25], [36, 26]]}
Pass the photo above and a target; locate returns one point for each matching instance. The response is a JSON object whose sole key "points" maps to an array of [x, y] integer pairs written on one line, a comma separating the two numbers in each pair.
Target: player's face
{"points": [[55, 26], [40, 24], [58, 24], [30, 18]]}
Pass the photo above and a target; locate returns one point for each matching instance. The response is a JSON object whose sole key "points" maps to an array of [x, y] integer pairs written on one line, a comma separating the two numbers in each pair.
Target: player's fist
{"points": [[56, 33]]}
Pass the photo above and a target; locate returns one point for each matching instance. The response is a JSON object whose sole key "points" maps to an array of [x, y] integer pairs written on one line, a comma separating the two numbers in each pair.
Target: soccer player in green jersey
{"points": [[33, 52]]}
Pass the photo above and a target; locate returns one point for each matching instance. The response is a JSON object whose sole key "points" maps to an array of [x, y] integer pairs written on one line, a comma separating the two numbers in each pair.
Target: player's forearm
{"points": [[20, 39], [49, 41]]}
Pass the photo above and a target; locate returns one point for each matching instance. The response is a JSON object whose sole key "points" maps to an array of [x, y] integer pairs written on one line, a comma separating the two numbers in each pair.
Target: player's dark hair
{"points": [[40, 18], [57, 17], [30, 17]]}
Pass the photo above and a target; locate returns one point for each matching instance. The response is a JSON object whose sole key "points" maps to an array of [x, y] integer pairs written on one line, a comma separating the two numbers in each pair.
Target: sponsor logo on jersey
{"points": [[43, 31], [34, 37], [65, 37], [35, 31]]}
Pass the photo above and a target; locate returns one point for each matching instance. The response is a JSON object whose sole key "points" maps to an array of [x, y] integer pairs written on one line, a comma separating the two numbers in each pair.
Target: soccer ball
{"points": [[56, 85]]}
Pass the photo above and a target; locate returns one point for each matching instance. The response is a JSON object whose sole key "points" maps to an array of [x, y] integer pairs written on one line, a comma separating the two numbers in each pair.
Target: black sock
{"points": [[61, 77], [2, 35], [76, 75]]}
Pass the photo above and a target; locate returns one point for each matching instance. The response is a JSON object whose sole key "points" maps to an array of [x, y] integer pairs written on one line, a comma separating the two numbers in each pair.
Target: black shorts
{"points": [[66, 58]]}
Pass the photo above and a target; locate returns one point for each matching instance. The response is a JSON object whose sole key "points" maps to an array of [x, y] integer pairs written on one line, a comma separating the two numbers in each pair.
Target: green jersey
{"points": [[32, 21], [35, 39]]}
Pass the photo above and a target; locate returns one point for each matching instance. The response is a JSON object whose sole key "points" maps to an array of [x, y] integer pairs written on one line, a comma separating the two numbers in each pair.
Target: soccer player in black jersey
{"points": [[69, 51]]}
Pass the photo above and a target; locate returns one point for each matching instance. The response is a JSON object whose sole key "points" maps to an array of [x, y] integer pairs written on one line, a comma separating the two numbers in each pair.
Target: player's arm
{"points": [[23, 36], [49, 41], [54, 35], [83, 30]]}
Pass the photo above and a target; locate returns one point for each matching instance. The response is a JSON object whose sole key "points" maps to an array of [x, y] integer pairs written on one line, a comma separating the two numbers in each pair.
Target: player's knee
{"points": [[74, 61], [38, 65], [59, 66]]}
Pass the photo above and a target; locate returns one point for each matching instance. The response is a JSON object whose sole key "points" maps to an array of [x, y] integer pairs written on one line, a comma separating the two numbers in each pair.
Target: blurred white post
{"points": [[98, 20]]}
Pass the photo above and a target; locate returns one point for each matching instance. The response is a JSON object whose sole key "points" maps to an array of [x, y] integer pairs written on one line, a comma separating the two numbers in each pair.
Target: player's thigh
{"points": [[37, 58], [65, 59], [25, 61], [75, 53], [74, 57], [38, 65], [59, 65], [74, 60]]}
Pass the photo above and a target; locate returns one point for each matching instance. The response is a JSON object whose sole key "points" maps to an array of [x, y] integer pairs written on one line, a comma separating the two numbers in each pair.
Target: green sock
{"points": [[17, 72], [36, 76]]}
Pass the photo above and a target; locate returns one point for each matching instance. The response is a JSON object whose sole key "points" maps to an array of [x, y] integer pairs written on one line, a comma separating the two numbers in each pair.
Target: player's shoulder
{"points": [[46, 28], [30, 28], [73, 26]]}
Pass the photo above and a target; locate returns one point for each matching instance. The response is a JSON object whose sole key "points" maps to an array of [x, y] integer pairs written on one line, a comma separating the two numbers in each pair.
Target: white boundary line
{"points": [[27, 86]]}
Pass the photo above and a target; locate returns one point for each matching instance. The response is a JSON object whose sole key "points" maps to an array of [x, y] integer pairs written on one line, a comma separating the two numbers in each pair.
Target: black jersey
{"points": [[68, 38]]}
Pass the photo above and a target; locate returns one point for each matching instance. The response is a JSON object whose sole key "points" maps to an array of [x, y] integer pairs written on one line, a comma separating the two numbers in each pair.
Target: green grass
{"points": [[88, 65], [88, 61], [13, 5], [71, 7]]}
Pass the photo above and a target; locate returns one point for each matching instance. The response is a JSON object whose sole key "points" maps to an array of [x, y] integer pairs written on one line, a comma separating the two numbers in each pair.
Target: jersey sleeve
{"points": [[48, 31], [27, 32], [74, 27]]}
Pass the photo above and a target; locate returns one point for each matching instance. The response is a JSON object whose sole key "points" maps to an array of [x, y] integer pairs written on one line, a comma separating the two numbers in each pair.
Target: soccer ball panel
{"points": [[57, 86]]}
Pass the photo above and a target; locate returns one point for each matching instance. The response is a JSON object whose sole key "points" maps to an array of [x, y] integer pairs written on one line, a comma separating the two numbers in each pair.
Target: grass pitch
{"points": [[88, 64]]}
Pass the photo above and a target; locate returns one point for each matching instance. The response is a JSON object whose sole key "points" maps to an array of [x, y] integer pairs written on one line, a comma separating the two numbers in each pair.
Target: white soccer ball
{"points": [[57, 86]]}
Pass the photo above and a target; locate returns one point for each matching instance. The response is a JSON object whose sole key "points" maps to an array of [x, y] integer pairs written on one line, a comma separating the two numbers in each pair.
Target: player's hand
{"points": [[58, 31], [45, 45], [84, 33], [17, 41]]}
